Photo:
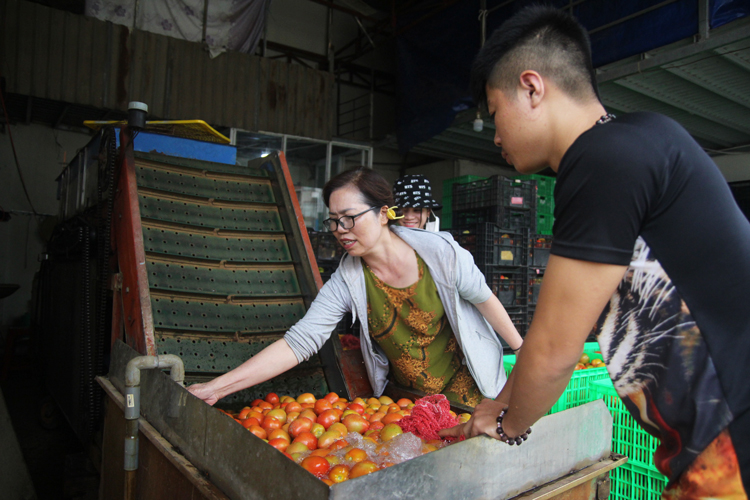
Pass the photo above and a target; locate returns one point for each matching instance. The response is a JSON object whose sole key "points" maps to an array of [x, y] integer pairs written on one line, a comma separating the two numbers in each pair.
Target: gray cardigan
{"points": [[459, 284]]}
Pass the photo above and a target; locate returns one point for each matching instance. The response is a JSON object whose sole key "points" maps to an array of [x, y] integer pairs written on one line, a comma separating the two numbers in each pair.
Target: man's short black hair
{"points": [[539, 38]]}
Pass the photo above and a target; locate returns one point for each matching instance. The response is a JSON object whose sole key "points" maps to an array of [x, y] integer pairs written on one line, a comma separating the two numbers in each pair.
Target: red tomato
{"points": [[270, 423], [316, 465], [328, 417], [331, 397], [356, 407], [272, 398]]}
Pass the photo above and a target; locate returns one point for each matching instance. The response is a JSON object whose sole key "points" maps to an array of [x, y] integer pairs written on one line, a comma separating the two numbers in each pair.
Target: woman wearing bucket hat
{"points": [[413, 196], [428, 320]]}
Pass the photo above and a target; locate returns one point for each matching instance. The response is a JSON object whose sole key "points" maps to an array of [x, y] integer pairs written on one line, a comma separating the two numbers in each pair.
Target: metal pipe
{"points": [[133, 406]]}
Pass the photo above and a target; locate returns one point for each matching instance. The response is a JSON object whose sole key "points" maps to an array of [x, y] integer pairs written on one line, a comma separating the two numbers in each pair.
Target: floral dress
{"points": [[411, 327]]}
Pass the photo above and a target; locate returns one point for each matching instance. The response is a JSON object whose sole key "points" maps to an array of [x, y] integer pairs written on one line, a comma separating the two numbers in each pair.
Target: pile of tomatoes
{"points": [[333, 438], [586, 362]]}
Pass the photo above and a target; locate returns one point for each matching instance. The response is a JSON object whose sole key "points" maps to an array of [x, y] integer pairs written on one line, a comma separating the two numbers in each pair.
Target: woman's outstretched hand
{"points": [[204, 392]]}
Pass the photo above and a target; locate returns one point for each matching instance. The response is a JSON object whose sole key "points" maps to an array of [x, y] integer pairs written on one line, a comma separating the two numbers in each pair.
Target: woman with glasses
{"points": [[427, 317], [414, 201]]}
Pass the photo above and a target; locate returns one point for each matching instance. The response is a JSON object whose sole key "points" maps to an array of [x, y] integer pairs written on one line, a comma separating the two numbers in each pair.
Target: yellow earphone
{"points": [[391, 214]]}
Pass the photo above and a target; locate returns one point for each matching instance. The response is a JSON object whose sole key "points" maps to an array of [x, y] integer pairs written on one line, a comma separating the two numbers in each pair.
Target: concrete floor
{"points": [[57, 462]]}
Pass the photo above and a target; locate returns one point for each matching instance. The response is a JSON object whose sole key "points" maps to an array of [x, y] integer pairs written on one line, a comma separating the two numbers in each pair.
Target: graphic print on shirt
{"points": [[659, 364]]}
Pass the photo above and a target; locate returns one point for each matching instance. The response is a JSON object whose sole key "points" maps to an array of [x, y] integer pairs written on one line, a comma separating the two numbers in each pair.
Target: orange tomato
{"points": [[308, 439], [243, 413], [308, 413], [363, 468], [403, 402], [340, 428], [320, 452], [250, 421], [331, 397], [293, 407], [300, 425], [337, 445], [339, 473], [326, 439], [327, 481], [279, 433], [385, 400], [270, 423], [391, 417], [278, 414], [339, 405], [297, 448], [376, 417], [279, 443], [393, 407], [355, 455], [258, 431], [376, 426], [322, 405], [306, 398]]}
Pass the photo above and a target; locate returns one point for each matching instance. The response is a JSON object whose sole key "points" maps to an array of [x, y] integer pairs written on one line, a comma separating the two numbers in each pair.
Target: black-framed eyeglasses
{"points": [[346, 221]]}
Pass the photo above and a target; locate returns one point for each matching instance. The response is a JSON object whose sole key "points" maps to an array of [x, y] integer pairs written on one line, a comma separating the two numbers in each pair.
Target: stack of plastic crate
{"points": [[638, 478], [446, 213], [493, 218], [545, 201], [539, 252]]}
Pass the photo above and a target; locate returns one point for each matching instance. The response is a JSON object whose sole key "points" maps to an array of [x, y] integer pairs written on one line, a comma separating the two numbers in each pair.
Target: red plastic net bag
{"points": [[429, 415]]}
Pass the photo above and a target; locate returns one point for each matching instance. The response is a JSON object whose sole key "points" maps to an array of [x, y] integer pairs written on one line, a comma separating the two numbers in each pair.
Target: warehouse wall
{"points": [[734, 167], [42, 153]]}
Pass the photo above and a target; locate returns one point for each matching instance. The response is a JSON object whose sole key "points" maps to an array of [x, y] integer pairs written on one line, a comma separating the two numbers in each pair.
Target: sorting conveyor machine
{"points": [[212, 263]]}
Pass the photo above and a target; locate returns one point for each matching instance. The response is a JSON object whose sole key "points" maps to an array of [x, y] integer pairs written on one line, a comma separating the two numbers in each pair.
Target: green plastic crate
{"points": [[578, 391], [632, 481], [545, 185], [628, 438], [446, 213], [545, 204], [544, 223]]}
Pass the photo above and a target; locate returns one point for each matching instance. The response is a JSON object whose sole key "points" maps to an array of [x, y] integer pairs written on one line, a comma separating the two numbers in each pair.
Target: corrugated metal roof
{"points": [[704, 84], [56, 56]]}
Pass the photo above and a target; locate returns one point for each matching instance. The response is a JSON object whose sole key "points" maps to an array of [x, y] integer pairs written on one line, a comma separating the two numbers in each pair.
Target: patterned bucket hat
{"points": [[414, 191]]}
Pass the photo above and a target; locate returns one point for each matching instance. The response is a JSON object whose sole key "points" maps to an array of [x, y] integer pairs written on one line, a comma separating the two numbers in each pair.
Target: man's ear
{"points": [[532, 85]]}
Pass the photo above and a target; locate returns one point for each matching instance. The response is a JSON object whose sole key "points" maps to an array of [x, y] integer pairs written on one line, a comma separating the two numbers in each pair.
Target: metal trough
{"points": [[568, 454]]}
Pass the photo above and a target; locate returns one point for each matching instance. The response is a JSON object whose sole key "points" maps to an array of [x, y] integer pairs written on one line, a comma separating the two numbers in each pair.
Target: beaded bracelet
{"points": [[504, 437]]}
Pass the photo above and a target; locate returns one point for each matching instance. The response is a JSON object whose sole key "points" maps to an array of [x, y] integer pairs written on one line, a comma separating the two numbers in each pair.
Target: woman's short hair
{"points": [[375, 190]]}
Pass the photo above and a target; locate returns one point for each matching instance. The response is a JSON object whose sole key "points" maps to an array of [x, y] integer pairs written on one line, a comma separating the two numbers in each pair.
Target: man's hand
{"points": [[483, 421]]}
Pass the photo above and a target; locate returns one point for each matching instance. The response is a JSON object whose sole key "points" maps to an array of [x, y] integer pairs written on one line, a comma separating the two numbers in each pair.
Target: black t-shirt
{"points": [[639, 191]]}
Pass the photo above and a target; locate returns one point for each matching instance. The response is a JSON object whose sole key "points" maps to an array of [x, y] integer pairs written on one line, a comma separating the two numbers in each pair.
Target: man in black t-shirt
{"points": [[649, 245]]}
